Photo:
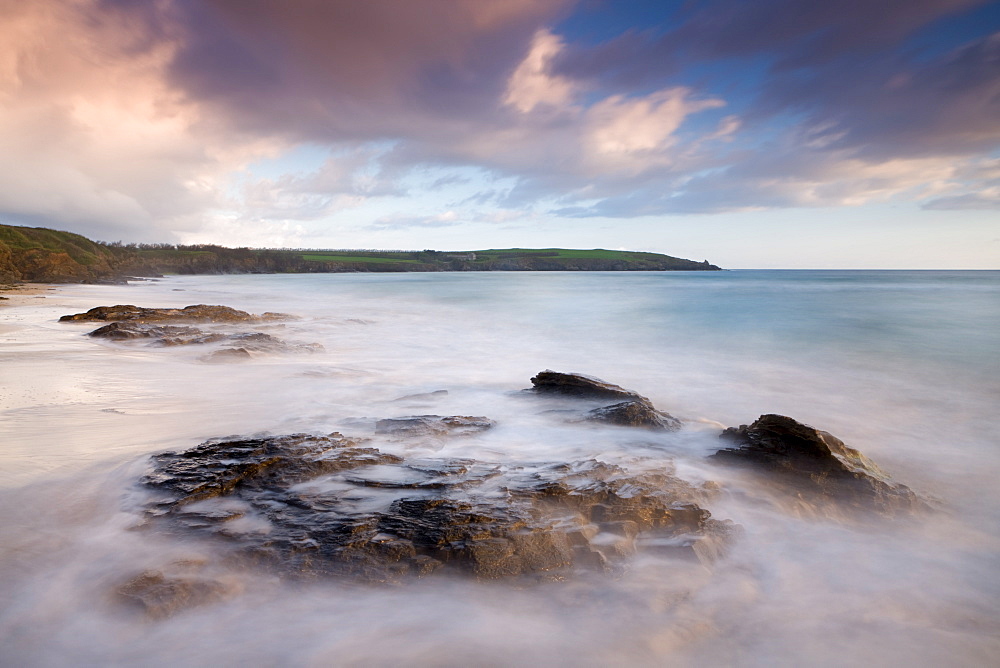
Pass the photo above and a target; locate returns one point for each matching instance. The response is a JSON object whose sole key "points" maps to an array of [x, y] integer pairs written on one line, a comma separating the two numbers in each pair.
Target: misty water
{"points": [[904, 366]]}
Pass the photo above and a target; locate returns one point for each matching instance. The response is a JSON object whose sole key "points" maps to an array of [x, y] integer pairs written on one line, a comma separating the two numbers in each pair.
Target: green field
{"points": [[334, 257]]}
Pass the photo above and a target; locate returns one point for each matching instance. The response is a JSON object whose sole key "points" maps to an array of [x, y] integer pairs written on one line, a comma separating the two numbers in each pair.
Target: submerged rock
{"points": [[228, 356], [159, 595], [167, 335], [193, 313], [579, 385], [242, 343], [265, 343], [327, 505], [816, 462], [423, 396], [635, 414], [432, 425]]}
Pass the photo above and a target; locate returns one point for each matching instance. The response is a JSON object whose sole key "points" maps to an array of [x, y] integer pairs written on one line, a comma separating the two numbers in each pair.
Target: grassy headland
{"points": [[40, 255]]}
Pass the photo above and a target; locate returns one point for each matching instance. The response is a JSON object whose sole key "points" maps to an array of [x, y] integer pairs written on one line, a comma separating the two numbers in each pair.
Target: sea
{"points": [[901, 365]]}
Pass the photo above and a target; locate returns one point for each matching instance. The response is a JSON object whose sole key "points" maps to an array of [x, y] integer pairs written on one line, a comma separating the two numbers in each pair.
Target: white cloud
{"points": [[636, 133], [533, 84], [446, 219]]}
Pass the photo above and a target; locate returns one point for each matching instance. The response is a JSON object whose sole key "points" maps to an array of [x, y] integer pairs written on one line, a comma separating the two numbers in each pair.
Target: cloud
{"points": [[780, 180], [336, 71], [982, 200], [633, 129], [785, 34], [93, 138], [144, 120], [842, 111], [445, 219], [128, 120], [345, 180], [533, 84]]}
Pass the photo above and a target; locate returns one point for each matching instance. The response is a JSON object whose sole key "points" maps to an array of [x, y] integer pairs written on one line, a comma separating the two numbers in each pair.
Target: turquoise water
{"points": [[904, 366]]}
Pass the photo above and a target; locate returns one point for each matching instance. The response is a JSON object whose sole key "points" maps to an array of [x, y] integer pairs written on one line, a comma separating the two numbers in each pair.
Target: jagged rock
{"points": [[579, 385], [193, 313], [635, 414], [432, 425], [218, 467], [326, 505], [817, 463]]}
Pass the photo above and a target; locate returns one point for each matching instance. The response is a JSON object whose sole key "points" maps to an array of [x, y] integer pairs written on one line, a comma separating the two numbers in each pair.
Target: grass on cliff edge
{"points": [[78, 247], [568, 253], [481, 255]]}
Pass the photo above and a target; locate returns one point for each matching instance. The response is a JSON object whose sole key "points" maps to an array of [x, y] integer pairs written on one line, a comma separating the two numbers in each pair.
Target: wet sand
{"points": [[24, 293]]}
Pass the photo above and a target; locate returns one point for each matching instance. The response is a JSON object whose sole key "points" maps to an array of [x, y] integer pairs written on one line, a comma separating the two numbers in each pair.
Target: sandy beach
{"points": [[19, 295]]}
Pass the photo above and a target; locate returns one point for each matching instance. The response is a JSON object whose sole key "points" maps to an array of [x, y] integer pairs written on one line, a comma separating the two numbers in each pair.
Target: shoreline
{"points": [[22, 293]]}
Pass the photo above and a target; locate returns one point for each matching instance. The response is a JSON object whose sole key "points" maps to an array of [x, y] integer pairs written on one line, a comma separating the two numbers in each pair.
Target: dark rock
{"points": [[214, 468], [194, 313], [633, 409], [325, 505], [815, 462], [635, 414], [579, 385], [171, 335], [432, 425]]}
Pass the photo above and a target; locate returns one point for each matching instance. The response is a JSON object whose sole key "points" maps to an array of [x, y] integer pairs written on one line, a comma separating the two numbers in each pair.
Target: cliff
{"points": [[38, 255]]}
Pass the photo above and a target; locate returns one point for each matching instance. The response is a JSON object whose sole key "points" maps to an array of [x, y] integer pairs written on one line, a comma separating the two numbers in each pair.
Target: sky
{"points": [[764, 134]]}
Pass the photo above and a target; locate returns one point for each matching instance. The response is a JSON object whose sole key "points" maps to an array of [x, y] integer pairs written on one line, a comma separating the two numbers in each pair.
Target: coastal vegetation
{"points": [[50, 256]]}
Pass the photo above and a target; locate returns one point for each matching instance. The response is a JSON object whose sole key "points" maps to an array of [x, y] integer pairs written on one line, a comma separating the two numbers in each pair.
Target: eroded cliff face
{"points": [[38, 255]]}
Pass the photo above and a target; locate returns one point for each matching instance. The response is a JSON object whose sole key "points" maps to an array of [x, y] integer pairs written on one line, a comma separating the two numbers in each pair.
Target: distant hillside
{"points": [[47, 256], [40, 255]]}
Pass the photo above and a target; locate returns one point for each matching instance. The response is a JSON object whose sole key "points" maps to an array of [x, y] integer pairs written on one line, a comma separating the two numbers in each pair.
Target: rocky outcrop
{"points": [[817, 464], [193, 313], [310, 506], [164, 335], [579, 385], [632, 409], [135, 325]]}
